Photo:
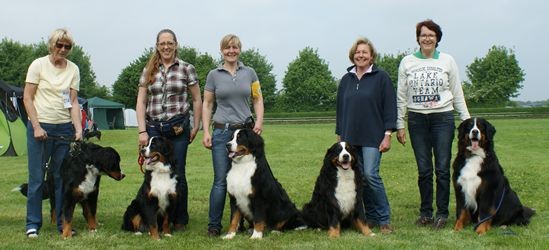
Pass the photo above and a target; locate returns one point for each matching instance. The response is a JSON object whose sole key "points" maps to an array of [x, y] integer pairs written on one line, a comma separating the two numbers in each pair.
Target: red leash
{"points": [[140, 161]]}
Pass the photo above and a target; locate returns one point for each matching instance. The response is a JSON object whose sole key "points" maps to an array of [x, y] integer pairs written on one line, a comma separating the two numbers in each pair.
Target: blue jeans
{"points": [[49, 151], [432, 134], [221, 166], [180, 146], [375, 199]]}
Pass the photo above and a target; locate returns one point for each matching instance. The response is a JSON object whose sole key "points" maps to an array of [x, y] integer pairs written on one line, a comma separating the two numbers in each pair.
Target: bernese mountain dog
{"points": [[336, 201], [483, 194], [81, 172], [255, 194], [156, 200]]}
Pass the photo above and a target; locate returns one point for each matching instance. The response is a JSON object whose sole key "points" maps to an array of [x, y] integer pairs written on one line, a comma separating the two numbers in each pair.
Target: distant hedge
{"points": [[513, 112]]}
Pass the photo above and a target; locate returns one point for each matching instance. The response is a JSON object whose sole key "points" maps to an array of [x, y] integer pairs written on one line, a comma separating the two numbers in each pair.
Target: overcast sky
{"points": [[114, 33]]}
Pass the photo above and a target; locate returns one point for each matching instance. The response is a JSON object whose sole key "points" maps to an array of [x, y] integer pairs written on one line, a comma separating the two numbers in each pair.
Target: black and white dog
{"points": [[483, 193], [81, 173], [156, 200], [255, 194], [337, 197]]}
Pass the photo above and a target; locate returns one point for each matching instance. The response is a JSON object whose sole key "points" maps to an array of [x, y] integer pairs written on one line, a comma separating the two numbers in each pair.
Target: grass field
{"points": [[295, 153]]}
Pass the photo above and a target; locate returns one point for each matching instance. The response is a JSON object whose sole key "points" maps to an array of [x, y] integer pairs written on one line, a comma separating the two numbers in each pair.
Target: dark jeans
{"points": [[181, 144], [432, 134], [40, 152]]}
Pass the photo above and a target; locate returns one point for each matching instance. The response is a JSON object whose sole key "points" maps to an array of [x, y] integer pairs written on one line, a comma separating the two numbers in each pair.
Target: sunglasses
{"points": [[66, 46]]}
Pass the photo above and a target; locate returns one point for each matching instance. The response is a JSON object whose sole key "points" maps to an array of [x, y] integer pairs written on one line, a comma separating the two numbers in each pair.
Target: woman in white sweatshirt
{"points": [[429, 90]]}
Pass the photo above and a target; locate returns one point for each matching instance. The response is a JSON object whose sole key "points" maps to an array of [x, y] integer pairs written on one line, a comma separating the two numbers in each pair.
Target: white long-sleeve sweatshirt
{"points": [[429, 85]]}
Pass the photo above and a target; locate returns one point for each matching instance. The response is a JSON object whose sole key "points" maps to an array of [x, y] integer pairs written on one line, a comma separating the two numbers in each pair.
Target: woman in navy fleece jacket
{"points": [[365, 118]]}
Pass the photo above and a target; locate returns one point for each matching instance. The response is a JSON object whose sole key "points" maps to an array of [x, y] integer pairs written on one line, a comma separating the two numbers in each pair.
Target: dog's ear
{"points": [[490, 130], [255, 140], [462, 129]]}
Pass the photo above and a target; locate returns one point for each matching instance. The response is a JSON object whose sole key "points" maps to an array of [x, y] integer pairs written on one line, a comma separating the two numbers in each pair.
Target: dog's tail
{"points": [[527, 213], [296, 222], [24, 188]]}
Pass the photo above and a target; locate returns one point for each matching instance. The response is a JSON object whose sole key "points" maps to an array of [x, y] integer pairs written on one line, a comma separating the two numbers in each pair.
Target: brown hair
{"points": [[431, 25], [152, 66], [359, 41]]}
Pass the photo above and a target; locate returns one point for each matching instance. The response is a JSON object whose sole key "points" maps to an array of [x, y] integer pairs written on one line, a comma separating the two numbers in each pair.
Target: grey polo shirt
{"points": [[232, 93]]}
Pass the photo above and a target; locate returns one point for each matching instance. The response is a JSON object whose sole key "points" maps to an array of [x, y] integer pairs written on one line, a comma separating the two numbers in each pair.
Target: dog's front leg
{"points": [[68, 211], [362, 227], [235, 221], [334, 226], [151, 220], [166, 226], [463, 219], [259, 228], [89, 209]]}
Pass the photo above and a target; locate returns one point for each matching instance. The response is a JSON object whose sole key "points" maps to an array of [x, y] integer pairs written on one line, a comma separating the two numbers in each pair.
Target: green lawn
{"points": [[295, 153]]}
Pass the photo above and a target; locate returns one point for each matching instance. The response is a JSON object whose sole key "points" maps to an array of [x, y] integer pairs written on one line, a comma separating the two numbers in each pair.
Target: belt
{"points": [[173, 118], [229, 126]]}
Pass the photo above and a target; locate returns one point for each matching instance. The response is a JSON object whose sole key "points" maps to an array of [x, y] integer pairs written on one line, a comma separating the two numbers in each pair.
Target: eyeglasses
{"points": [[66, 46], [163, 44], [425, 36]]}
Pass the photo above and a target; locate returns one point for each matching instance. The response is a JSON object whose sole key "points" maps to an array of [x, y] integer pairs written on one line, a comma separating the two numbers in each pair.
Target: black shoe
{"points": [[424, 221], [213, 232], [179, 227], [440, 223]]}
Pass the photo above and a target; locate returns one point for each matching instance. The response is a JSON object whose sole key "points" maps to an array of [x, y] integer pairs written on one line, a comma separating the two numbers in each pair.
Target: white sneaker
{"points": [[32, 233]]}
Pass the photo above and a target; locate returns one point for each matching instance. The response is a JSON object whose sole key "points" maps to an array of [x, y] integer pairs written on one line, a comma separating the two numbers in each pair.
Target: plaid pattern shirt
{"points": [[167, 95]]}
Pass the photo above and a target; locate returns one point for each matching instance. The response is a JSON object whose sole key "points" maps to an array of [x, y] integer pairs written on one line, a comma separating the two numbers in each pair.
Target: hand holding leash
{"points": [[40, 133]]}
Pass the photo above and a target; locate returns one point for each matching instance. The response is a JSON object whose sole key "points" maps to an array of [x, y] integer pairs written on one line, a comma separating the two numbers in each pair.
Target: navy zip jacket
{"points": [[366, 108]]}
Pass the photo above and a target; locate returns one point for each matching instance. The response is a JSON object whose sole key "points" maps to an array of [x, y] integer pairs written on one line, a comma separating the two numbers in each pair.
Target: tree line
{"points": [[308, 83]]}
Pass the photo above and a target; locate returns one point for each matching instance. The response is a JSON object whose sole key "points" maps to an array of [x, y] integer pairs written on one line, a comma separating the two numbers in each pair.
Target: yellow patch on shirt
{"points": [[256, 89]]}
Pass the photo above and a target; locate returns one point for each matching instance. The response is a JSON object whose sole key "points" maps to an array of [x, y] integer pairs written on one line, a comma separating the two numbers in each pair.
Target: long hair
{"points": [[152, 66]]}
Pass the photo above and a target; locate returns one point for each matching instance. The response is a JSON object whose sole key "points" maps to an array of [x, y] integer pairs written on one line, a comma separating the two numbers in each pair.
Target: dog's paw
{"points": [[137, 233], [93, 231], [300, 228], [168, 235], [276, 232], [257, 235], [229, 236]]}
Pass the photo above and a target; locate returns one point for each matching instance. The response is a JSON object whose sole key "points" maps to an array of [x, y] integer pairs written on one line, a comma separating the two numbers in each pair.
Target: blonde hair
{"points": [[59, 35], [152, 66], [230, 39], [359, 41]]}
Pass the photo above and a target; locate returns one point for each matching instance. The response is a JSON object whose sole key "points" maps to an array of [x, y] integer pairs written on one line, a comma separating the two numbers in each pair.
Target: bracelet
{"points": [[389, 134], [144, 131]]}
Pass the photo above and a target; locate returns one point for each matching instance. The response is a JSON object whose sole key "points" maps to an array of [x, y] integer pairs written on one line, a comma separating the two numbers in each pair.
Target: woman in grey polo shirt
{"points": [[230, 86]]}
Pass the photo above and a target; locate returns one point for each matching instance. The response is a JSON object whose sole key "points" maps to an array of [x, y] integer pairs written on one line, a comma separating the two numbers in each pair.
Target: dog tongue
{"points": [[232, 154], [474, 145], [346, 165]]}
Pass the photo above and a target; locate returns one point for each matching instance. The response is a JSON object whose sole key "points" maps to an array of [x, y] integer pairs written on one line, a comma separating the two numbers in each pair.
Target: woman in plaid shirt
{"points": [[163, 97]]}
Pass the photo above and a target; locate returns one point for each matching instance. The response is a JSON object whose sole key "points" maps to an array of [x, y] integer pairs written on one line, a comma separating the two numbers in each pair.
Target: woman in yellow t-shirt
{"points": [[50, 97]]}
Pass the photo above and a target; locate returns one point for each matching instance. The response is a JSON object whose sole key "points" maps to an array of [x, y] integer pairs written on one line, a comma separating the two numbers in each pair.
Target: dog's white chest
{"points": [[239, 183], [470, 181], [88, 185], [162, 185], [345, 191]]}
